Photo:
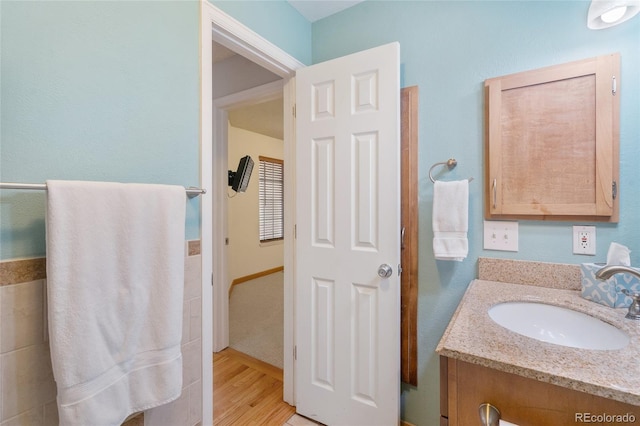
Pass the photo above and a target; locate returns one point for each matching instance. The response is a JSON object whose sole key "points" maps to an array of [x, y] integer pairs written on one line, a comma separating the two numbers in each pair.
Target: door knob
{"points": [[385, 271]]}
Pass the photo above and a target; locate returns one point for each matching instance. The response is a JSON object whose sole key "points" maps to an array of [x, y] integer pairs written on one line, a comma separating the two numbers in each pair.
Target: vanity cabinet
{"points": [[523, 401], [552, 142]]}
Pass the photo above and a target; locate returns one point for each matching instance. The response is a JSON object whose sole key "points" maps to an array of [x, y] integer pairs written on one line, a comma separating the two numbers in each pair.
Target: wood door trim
{"points": [[409, 220]]}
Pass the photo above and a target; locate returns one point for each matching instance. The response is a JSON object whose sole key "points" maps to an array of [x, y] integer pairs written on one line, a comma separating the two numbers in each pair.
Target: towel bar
{"points": [[191, 191], [450, 163]]}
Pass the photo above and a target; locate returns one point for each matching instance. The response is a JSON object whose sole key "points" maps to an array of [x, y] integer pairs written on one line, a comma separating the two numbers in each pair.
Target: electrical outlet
{"points": [[584, 240], [500, 235]]}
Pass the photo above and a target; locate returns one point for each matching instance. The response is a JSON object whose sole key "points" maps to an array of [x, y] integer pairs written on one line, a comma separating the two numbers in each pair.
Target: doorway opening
{"points": [[255, 231], [245, 96], [217, 26], [248, 120]]}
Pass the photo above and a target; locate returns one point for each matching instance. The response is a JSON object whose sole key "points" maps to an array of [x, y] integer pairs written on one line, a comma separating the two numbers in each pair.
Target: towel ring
{"points": [[451, 163]]}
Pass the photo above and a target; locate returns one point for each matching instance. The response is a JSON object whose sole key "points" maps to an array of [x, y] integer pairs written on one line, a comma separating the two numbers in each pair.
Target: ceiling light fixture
{"points": [[607, 13]]}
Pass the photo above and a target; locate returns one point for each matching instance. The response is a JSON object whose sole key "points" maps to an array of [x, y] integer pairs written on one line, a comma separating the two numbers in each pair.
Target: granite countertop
{"points": [[472, 336]]}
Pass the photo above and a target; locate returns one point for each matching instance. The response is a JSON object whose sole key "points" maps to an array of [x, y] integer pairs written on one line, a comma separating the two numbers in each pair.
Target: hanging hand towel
{"points": [[450, 220], [115, 278]]}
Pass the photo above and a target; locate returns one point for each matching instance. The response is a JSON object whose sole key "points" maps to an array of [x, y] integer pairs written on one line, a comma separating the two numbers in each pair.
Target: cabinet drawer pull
{"points": [[489, 415]]}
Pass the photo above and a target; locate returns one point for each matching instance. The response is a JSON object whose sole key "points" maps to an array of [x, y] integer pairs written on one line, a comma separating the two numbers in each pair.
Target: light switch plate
{"points": [[500, 235], [584, 240]]}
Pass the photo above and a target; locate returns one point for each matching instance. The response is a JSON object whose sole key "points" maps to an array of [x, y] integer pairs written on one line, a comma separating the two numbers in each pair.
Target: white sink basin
{"points": [[561, 326]]}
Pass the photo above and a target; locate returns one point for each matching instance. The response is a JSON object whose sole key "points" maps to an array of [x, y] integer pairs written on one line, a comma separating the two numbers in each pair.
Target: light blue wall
{"points": [[448, 49], [277, 21], [95, 91], [108, 91]]}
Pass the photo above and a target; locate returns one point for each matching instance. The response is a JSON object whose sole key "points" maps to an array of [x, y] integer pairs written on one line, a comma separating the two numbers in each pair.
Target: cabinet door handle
{"points": [[495, 193]]}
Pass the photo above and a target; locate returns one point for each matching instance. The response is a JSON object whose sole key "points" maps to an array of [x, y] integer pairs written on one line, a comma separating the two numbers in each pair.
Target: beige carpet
{"points": [[256, 318]]}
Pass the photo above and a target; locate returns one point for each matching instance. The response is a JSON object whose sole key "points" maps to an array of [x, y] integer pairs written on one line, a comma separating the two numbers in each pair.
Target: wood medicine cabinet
{"points": [[552, 142]]}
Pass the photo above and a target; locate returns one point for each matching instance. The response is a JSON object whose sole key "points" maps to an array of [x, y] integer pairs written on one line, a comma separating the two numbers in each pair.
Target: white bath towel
{"points": [[115, 277], [450, 220]]}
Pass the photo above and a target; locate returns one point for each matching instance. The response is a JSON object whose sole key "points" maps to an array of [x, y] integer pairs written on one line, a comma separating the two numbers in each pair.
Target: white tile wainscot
{"points": [[27, 388]]}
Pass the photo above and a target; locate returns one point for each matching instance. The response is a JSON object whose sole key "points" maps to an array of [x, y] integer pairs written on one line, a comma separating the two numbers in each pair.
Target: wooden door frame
{"points": [[409, 242]]}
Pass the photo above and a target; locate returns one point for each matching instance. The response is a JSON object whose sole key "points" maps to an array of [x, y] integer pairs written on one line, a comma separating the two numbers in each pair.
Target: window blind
{"points": [[271, 199]]}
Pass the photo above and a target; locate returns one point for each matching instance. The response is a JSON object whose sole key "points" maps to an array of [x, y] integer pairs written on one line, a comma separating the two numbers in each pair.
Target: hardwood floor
{"points": [[247, 391]]}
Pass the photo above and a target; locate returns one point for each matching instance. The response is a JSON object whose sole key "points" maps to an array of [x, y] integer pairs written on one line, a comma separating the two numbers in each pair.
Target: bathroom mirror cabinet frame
{"points": [[552, 142]]}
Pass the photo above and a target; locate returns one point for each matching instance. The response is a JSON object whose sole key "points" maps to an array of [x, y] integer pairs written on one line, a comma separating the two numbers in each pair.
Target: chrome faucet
{"points": [[608, 271]]}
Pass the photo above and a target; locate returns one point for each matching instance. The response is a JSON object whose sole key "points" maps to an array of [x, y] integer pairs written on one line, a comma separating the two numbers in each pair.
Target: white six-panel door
{"points": [[348, 225]]}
